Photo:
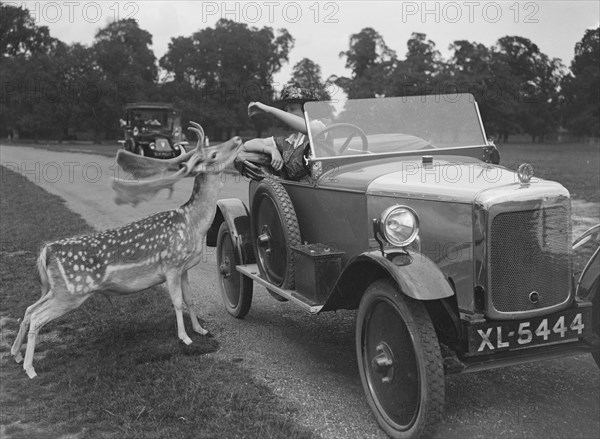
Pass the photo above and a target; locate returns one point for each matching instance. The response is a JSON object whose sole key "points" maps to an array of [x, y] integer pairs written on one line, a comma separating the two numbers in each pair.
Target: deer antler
{"points": [[143, 167], [133, 192]]}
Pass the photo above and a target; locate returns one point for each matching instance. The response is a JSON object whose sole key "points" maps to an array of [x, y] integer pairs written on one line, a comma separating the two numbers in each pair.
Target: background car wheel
{"points": [[139, 150], [274, 231], [399, 361], [236, 288]]}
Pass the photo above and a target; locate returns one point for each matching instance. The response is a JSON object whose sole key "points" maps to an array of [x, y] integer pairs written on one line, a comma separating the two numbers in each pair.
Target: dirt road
{"points": [[310, 359]]}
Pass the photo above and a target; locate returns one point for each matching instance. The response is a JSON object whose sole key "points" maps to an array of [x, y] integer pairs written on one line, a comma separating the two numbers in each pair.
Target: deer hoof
{"points": [[201, 331], [18, 357], [186, 340], [31, 373]]}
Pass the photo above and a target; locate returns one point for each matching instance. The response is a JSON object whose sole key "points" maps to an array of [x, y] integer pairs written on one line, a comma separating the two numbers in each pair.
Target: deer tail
{"points": [[42, 264]]}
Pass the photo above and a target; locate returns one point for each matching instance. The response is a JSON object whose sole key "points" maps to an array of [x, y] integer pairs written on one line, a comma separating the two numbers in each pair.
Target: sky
{"points": [[322, 29]]}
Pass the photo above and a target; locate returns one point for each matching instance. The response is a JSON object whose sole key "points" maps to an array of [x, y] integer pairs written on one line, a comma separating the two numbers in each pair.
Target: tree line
{"points": [[55, 90]]}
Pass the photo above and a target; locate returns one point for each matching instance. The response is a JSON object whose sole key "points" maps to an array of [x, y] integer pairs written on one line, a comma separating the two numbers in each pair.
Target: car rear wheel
{"points": [[236, 288], [399, 361], [274, 231]]}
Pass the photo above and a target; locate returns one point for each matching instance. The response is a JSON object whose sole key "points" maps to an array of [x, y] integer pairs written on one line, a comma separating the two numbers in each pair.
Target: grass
{"points": [[113, 372]]}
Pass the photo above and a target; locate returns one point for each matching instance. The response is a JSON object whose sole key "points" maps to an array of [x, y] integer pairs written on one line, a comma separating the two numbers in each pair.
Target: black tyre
{"points": [[596, 317], [274, 231], [399, 361], [236, 288]]}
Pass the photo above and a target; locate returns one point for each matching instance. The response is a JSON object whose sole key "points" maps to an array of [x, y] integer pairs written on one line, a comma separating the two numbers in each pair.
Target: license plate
{"points": [[489, 337]]}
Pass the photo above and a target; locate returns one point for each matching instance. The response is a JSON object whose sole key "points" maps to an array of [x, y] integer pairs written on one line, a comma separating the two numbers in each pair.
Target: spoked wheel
{"points": [[236, 288], [399, 361], [275, 230]]}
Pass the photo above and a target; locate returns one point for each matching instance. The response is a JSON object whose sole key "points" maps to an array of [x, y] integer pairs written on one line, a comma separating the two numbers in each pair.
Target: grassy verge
{"points": [[113, 370], [104, 149], [574, 165]]}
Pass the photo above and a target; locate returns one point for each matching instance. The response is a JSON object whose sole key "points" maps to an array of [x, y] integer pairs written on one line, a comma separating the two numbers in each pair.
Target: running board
{"points": [[251, 271]]}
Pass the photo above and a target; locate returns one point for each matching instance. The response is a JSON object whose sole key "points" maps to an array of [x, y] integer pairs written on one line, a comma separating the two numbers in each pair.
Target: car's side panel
{"points": [[446, 238], [332, 217]]}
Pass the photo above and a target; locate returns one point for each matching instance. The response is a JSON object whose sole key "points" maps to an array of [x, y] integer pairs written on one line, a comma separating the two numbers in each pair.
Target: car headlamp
{"points": [[136, 131], [152, 145], [399, 225]]}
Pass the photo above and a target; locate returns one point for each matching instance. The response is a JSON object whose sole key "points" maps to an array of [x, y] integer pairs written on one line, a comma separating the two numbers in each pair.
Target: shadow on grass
{"points": [[114, 370]]}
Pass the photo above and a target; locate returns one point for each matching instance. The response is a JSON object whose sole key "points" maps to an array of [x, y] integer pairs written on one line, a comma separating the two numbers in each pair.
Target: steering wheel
{"points": [[356, 132]]}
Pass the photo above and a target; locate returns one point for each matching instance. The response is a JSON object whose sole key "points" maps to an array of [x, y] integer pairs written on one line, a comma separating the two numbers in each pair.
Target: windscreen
{"points": [[399, 124], [152, 118]]}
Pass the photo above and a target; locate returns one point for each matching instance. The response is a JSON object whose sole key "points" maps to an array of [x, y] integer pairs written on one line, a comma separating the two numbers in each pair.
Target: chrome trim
{"points": [[438, 151], [383, 219], [251, 271], [481, 124]]}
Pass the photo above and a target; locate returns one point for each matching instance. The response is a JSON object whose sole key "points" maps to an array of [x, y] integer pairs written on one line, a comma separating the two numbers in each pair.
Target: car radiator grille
{"points": [[530, 252]]}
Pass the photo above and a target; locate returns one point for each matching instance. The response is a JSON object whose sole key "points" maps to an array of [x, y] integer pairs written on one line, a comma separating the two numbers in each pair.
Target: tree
{"points": [[581, 88], [367, 49], [528, 84], [371, 62], [127, 71], [19, 35], [307, 74], [25, 71], [225, 68], [421, 72]]}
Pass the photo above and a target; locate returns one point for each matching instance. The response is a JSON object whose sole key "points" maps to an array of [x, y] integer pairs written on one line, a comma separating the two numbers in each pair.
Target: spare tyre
{"points": [[274, 231]]}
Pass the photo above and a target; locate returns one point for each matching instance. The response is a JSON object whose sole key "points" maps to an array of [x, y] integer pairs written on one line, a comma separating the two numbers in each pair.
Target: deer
{"points": [[160, 248]]}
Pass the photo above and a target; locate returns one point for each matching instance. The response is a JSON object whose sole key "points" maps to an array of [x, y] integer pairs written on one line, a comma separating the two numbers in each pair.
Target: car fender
{"points": [[235, 213], [417, 276], [591, 273]]}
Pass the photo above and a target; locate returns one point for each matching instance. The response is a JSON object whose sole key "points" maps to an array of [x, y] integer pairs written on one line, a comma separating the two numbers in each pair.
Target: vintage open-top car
{"points": [[153, 129], [453, 262]]}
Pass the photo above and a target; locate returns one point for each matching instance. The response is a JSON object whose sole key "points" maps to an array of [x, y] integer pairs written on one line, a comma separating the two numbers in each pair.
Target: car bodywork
{"points": [[153, 129], [491, 263]]}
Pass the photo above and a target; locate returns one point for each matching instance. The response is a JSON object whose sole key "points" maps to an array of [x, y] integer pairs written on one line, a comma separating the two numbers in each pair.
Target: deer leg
{"points": [[46, 312], [16, 347], [189, 303], [175, 290]]}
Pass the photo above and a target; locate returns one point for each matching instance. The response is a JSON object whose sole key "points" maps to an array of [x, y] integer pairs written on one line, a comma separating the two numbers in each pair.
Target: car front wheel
{"points": [[596, 317], [399, 361], [236, 288]]}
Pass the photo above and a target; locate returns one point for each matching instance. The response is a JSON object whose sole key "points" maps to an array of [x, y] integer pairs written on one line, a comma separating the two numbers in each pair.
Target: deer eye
{"points": [[214, 155]]}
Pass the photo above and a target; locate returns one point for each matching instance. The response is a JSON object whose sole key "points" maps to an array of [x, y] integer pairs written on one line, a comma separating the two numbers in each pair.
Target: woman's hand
{"points": [[276, 159], [255, 108]]}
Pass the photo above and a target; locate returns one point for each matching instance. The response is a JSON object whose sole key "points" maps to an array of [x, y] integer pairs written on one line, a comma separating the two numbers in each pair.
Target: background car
{"points": [[153, 130], [454, 263]]}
